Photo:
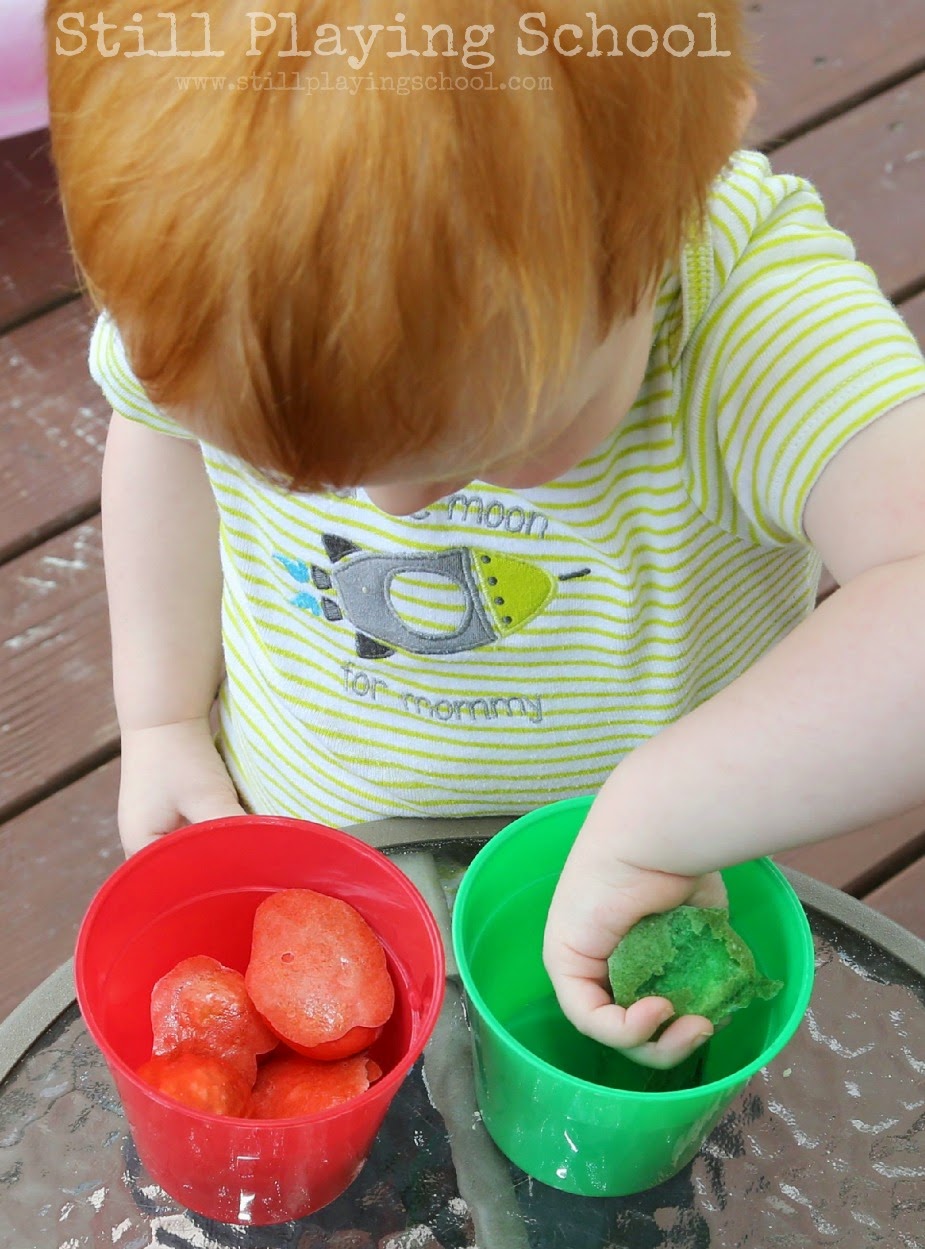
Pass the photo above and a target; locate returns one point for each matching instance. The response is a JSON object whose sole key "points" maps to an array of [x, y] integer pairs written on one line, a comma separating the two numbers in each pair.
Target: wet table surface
{"points": [[826, 1146]]}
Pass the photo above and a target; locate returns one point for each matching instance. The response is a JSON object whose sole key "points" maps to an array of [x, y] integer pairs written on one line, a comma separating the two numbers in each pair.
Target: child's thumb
{"points": [[710, 891], [211, 806], [211, 796]]}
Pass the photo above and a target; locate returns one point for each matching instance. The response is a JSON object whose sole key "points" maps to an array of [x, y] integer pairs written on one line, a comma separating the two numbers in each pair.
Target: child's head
{"points": [[335, 265]]}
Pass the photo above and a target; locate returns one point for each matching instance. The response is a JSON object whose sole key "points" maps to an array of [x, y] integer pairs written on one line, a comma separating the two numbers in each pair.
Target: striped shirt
{"points": [[503, 648]]}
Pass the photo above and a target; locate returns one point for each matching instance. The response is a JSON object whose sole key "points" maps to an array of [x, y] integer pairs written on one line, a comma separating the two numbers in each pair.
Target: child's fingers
{"points": [[586, 922], [593, 1011], [144, 818], [211, 806], [677, 1042], [150, 817], [589, 1006]]}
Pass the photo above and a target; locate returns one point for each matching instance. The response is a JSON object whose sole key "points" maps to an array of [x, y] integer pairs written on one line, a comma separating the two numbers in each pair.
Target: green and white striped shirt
{"points": [[504, 648]]}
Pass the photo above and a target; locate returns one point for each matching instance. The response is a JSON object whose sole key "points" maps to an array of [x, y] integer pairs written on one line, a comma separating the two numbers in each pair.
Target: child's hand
{"points": [[171, 775], [595, 904]]}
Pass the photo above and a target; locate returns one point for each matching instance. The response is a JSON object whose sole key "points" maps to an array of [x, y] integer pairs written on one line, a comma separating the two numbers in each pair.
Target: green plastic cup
{"points": [[572, 1113]]}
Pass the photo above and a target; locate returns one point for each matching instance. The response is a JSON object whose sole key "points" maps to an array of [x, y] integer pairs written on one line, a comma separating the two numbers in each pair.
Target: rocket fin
{"points": [[338, 548], [369, 648]]}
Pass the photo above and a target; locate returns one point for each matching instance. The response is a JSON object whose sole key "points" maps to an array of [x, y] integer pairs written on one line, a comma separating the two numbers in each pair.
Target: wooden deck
{"points": [[845, 107]]}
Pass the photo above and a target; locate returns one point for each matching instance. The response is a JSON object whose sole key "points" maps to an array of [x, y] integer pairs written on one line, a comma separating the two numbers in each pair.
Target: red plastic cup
{"points": [[195, 892]]}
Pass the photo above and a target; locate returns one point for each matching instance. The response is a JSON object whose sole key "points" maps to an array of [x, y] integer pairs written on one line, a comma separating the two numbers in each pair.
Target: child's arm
{"points": [[163, 578], [822, 736]]}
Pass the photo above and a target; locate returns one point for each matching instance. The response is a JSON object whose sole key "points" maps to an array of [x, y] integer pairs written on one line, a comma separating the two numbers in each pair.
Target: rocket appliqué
{"points": [[499, 593]]}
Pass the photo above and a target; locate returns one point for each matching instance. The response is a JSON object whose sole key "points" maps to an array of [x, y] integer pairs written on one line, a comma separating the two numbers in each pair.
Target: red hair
{"points": [[308, 279]]}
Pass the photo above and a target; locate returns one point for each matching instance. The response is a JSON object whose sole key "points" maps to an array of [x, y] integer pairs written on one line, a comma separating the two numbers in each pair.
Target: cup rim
{"points": [[389, 1082], [730, 1082]]}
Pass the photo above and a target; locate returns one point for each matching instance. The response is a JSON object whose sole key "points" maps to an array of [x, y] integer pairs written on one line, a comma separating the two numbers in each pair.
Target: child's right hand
{"points": [[597, 901], [171, 775]]}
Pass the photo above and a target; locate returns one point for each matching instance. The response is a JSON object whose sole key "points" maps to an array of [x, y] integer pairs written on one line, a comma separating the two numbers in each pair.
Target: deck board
{"points": [[35, 266], [914, 312], [52, 859], [869, 167], [53, 423], [819, 56], [56, 707], [903, 898]]}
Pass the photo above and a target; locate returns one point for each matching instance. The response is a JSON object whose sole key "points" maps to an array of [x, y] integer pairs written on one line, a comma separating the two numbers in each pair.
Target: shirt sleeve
{"points": [[111, 371], [796, 353]]}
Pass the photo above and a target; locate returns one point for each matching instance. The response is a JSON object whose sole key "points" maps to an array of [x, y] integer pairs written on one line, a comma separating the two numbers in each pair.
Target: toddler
{"points": [[480, 427]]}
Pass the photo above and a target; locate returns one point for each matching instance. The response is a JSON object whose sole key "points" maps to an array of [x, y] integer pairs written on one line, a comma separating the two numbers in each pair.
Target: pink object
{"points": [[195, 892], [23, 91]]}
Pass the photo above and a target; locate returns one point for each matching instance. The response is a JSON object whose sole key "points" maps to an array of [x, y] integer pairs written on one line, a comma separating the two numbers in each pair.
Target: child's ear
{"points": [[746, 113]]}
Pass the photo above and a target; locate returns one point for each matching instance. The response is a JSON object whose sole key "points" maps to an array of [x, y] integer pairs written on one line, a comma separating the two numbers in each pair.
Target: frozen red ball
{"points": [[291, 1085], [203, 1004], [318, 974], [202, 1081]]}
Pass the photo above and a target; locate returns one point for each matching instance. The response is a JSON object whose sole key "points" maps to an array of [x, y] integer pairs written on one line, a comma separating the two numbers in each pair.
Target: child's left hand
{"points": [[598, 899]]}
